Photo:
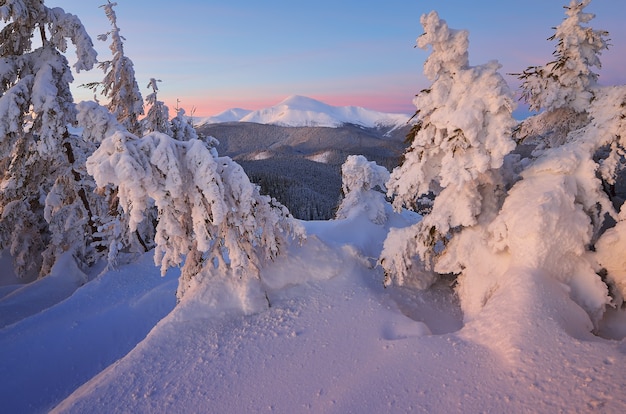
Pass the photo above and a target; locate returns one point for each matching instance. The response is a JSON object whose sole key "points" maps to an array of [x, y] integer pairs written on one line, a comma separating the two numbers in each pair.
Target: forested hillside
{"points": [[301, 166]]}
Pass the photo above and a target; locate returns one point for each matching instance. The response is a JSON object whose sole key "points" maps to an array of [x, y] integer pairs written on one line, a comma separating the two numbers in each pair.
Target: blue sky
{"points": [[215, 55]]}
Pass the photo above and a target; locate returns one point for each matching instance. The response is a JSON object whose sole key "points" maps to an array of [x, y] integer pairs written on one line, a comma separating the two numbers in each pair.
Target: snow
{"points": [[63, 345], [29, 299], [262, 155], [524, 314], [334, 340], [301, 111]]}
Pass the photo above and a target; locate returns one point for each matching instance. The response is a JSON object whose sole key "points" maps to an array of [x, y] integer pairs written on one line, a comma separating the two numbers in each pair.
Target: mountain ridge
{"points": [[301, 166], [302, 111]]}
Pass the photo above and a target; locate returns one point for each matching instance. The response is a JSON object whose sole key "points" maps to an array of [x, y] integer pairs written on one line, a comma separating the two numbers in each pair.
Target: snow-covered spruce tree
{"points": [[558, 231], [463, 132], [563, 88], [158, 118], [553, 216], [182, 126], [96, 122], [607, 129], [209, 214], [120, 243], [360, 178], [119, 84], [44, 205]]}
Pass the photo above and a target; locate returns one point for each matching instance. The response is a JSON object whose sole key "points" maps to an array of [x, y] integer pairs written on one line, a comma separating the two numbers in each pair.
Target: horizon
{"points": [[252, 56], [289, 101]]}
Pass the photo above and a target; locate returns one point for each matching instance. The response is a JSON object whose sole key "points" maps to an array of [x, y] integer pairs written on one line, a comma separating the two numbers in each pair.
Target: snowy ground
{"points": [[333, 341]]}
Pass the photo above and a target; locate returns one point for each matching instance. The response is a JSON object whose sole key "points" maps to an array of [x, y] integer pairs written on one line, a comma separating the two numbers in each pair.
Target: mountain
{"points": [[248, 141], [294, 150], [301, 166], [229, 115], [300, 111]]}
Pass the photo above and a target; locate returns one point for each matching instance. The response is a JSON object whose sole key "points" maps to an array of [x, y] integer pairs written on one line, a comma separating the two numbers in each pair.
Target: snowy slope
{"points": [[50, 352], [300, 111], [334, 341]]}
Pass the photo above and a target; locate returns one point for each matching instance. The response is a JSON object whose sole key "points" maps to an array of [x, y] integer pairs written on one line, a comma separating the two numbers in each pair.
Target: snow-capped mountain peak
{"points": [[298, 102], [229, 115], [299, 111]]}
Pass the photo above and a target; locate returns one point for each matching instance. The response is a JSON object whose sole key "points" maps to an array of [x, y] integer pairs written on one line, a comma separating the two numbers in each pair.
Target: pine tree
{"points": [[182, 126], [564, 87], [44, 206], [579, 147], [566, 81], [209, 214], [157, 119], [463, 132], [119, 84], [121, 245], [550, 217], [607, 133]]}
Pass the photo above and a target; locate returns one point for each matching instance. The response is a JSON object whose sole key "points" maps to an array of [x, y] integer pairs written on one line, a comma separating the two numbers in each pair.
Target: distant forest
{"points": [[310, 190]]}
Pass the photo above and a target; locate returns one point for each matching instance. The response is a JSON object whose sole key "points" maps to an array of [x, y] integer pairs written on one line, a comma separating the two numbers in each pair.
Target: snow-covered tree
{"points": [[554, 217], [548, 222], [607, 130], [182, 126], [44, 206], [97, 123], [209, 214], [563, 88], [579, 152], [463, 132], [157, 119], [491, 224], [566, 81], [119, 84], [360, 177]]}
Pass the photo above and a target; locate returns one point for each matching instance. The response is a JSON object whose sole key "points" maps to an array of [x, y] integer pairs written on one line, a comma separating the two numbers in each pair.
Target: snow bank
{"points": [[45, 356], [34, 297]]}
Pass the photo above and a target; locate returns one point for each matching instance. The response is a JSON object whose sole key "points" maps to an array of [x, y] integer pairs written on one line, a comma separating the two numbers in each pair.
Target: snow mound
{"points": [[300, 111]]}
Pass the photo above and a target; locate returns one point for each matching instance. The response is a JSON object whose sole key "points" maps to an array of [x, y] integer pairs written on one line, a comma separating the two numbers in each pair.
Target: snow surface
{"points": [[334, 341], [300, 111]]}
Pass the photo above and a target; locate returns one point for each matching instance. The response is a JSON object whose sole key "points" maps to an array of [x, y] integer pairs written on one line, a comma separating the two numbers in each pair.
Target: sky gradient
{"points": [[215, 55]]}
